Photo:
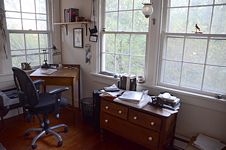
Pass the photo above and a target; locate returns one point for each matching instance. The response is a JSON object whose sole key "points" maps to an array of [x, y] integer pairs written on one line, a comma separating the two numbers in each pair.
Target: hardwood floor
{"points": [[80, 136]]}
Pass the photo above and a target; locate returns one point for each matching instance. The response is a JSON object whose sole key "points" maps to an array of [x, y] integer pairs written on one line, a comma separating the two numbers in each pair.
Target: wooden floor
{"points": [[81, 135]]}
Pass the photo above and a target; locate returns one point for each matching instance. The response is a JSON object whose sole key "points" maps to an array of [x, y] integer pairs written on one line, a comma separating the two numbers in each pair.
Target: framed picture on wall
{"points": [[78, 37]]}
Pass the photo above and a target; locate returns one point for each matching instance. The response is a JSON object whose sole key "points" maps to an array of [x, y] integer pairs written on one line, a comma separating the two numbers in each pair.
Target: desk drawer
{"points": [[114, 109], [145, 137], [144, 120]]}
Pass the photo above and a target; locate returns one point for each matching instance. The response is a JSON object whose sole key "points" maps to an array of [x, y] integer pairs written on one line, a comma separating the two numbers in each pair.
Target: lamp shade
{"points": [[147, 9]]}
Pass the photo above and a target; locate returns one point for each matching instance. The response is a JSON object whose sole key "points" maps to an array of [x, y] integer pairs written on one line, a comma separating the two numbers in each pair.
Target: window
{"points": [[27, 25], [191, 60], [124, 37]]}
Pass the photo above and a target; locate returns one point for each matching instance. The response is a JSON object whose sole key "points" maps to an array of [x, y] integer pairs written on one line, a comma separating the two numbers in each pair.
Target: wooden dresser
{"points": [[150, 126]]}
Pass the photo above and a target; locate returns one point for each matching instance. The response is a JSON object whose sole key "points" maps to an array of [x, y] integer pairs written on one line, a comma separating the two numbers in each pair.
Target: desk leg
{"points": [[79, 93], [72, 93]]}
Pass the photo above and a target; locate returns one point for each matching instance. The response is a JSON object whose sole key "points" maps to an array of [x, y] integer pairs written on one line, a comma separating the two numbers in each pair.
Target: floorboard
{"points": [[81, 135]]}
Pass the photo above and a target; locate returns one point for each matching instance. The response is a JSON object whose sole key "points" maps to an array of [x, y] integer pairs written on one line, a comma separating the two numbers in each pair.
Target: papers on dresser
{"points": [[207, 143], [132, 96], [113, 94]]}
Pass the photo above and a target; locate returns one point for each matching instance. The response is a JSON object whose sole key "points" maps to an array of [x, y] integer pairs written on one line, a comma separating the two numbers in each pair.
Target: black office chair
{"points": [[36, 103]]}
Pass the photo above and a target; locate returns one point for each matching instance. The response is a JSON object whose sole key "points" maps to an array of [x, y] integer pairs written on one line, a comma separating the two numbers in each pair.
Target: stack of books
{"points": [[70, 14]]}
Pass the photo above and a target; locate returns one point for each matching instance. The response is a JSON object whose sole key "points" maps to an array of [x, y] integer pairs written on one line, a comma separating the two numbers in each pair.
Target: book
{"points": [[132, 96]]}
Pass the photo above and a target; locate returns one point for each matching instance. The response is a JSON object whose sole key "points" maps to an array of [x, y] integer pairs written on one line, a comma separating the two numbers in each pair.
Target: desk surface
{"points": [[63, 72]]}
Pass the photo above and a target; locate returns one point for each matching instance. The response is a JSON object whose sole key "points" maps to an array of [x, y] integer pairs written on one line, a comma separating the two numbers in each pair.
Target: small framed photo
{"points": [[78, 37], [93, 38]]}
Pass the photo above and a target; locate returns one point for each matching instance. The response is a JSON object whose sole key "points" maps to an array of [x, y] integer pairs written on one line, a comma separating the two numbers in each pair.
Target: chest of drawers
{"points": [[150, 126]]}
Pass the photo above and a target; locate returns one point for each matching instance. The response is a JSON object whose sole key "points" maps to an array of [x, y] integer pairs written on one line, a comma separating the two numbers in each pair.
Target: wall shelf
{"points": [[65, 24]]}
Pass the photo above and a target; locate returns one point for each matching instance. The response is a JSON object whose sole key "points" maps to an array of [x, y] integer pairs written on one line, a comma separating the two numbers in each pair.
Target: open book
{"points": [[132, 96]]}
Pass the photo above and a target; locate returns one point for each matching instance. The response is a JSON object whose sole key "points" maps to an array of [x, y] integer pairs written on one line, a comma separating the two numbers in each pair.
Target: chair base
{"points": [[49, 130]]}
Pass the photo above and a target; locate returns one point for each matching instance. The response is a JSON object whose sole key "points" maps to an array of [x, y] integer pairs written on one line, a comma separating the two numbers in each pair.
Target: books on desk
{"points": [[48, 71]]}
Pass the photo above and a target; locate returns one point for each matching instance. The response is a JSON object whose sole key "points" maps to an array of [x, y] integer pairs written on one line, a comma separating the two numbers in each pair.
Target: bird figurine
{"points": [[197, 29]]}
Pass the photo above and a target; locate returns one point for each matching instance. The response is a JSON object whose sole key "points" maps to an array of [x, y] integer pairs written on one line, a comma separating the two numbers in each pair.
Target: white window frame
{"points": [[102, 32], [48, 32], [164, 34]]}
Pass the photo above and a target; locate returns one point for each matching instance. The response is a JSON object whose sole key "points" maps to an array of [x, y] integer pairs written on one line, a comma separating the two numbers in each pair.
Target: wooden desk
{"points": [[66, 76]]}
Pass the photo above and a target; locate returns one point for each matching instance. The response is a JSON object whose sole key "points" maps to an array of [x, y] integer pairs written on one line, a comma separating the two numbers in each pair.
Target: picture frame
{"points": [[93, 38], [78, 37]]}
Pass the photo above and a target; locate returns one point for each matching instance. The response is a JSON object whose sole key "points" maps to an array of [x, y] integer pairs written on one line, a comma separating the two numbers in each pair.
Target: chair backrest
{"points": [[28, 94]]}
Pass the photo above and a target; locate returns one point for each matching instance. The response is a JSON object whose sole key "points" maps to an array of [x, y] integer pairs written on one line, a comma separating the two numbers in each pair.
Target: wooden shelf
{"points": [[72, 23]]}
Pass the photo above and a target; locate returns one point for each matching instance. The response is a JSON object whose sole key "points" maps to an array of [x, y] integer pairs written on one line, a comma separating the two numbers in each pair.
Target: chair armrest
{"points": [[38, 83], [58, 90]]}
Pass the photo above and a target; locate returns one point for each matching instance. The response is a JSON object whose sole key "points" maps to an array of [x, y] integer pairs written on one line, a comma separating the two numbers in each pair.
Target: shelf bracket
{"points": [[66, 28], [85, 27]]}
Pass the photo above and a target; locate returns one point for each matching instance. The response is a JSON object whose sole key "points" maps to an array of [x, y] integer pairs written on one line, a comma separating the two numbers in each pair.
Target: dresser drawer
{"points": [[114, 109], [144, 120], [145, 137]]}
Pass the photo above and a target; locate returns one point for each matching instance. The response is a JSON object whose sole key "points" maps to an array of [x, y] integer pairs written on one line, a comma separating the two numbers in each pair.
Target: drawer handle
{"points": [[119, 112], [106, 107], [152, 123], [135, 117], [149, 138], [106, 121]]}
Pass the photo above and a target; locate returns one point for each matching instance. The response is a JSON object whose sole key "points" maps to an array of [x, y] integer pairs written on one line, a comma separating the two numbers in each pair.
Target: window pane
{"points": [[138, 4], [16, 61], [174, 3], [28, 16], [177, 20], [195, 50], [31, 41], [219, 20], [200, 16], [217, 52], [215, 79], [43, 40], [111, 5], [137, 65], [13, 15], [20, 52], [41, 17], [171, 72], [12, 5], [32, 51], [122, 64], [109, 43], [140, 24], [41, 6], [29, 24], [41, 25], [125, 4], [13, 24], [138, 45], [125, 21], [220, 1], [192, 76], [201, 2], [111, 21], [28, 6], [33, 59], [109, 62], [174, 51], [122, 43], [16, 41]]}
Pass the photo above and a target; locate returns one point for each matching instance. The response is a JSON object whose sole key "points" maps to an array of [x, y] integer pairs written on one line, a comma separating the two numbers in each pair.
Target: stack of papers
{"points": [[48, 71], [207, 143], [132, 96]]}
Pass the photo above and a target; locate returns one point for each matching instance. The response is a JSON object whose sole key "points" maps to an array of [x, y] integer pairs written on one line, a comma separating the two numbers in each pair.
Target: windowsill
{"points": [[190, 98]]}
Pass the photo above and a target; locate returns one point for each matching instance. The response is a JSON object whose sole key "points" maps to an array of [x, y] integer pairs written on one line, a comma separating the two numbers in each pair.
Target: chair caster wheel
{"points": [[60, 143], [65, 129], [34, 146]]}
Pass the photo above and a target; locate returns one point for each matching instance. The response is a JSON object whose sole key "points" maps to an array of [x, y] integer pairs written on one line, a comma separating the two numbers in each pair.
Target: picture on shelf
{"points": [[78, 37]]}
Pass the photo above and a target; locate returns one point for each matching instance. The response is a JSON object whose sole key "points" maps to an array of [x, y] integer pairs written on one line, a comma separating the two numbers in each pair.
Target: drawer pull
{"points": [[152, 123], [106, 121], [135, 117], [106, 107], [149, 138], [119, 112]]}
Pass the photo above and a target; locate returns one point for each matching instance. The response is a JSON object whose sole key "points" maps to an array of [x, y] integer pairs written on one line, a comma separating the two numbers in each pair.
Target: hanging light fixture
{"points": [[147, 9]]}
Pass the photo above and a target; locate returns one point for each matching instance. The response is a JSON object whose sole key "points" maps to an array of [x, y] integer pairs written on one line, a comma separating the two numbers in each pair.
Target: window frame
{"points": [[163, 36], [130, 33], [38, 32]]}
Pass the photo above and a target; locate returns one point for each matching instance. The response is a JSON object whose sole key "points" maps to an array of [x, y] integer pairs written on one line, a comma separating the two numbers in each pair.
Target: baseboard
{"points": [[180, 142]]}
